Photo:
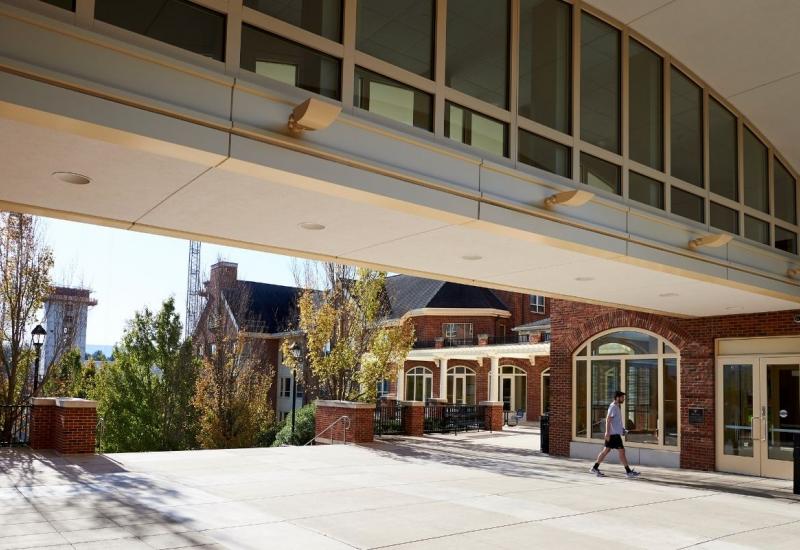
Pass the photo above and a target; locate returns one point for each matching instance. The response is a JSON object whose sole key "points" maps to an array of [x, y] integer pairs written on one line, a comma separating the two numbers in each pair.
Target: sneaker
{"points": [[633, 474], [597, 472]]}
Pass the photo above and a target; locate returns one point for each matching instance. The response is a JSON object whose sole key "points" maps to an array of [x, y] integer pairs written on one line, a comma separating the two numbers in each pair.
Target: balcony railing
{"points": [[466, 342]]}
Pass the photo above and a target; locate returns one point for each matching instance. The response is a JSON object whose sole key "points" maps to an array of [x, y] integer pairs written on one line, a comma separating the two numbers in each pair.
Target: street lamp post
{"points": [[37, 336], [297, 352]]}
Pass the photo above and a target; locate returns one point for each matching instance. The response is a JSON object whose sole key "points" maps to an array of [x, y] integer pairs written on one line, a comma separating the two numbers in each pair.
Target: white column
{"points": [[401, 383], [442, 378], [494, 379]]}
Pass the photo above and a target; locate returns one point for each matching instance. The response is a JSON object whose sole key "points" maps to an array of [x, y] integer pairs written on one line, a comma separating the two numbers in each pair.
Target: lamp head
{"points": [[38, 334], [296, 351]]}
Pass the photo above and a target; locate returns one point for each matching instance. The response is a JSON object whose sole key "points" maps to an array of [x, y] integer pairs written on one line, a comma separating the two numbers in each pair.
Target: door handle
{"points": [[764, 418], [753, 428]]}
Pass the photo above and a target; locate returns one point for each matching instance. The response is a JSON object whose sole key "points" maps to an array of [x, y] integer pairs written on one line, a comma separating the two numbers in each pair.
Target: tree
{"points": [[145, 395], [349, 344], [71, 377], [232, 392], [99, 356], [25, 265], [305, 424]]}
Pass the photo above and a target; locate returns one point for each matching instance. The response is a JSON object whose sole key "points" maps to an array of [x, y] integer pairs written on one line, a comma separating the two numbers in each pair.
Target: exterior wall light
{"points": [[312, 114], [712, 240], [577, 197], [793, 273]]}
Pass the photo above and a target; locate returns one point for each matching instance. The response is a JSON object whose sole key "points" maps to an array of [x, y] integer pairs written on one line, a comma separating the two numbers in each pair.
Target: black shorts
{"points": [[615, 442]]}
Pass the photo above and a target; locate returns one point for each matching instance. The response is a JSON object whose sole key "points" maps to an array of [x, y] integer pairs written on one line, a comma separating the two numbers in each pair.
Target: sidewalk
{"points": [[475, 490]]}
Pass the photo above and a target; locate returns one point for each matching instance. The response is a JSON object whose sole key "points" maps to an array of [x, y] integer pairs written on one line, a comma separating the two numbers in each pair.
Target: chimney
{"points": [[224, 275]]}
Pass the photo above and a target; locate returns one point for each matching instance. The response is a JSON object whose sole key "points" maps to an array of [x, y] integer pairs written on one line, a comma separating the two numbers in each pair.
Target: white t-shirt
{"points": [[616, 419]]}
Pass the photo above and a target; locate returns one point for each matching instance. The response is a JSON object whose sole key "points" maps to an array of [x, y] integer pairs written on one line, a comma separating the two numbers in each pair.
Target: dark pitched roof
{"points": [[269, 308], [406, 293]]}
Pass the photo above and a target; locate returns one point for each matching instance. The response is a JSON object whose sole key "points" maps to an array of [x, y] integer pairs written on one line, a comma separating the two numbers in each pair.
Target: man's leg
{"points": [[623, 459], [602, 456]]}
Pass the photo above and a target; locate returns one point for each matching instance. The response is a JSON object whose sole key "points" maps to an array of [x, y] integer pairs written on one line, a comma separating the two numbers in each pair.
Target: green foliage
{"points": [[145, 395], [71, 377], [99, 356], [267, 436], [304, 425], [349, 346]]}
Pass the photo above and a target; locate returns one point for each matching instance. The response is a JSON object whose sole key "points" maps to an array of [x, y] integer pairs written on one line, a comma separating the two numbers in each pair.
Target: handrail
{"points": [[346, 427]]}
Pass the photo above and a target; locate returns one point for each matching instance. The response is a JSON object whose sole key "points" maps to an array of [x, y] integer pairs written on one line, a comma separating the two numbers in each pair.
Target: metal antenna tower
{"points": [[193, 297]]}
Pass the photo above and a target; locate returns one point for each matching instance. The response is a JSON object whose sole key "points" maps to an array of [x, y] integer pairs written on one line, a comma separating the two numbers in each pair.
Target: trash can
{"points": [[544, 429]]}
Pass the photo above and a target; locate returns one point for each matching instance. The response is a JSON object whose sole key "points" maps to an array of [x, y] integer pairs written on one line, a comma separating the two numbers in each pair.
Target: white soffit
{"points": [[746, 50]]}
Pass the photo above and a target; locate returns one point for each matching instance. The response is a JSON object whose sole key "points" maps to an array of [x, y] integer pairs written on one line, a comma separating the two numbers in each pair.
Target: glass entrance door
{"points": [[780, 398], [507, 392], [758, 414]]}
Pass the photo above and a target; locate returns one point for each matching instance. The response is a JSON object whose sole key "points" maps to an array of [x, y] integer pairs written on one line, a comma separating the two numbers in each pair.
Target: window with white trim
{"points": [[382, 388], [419, 384], [537, 304], [639, 363], [285, 387], [458, 333]]}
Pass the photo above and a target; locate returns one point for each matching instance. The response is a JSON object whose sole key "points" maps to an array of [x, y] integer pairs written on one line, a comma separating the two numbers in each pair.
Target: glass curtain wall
{"points": [[397, 79], [477, 49], [600, 83], [646, 106], [545, 63]]}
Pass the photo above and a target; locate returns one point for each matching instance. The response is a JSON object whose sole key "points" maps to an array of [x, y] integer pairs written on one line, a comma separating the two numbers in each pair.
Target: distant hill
{"points": [[107, 350]]}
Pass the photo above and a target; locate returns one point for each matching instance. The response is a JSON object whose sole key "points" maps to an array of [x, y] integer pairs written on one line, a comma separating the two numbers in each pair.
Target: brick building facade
{"points": [[700, 343]]}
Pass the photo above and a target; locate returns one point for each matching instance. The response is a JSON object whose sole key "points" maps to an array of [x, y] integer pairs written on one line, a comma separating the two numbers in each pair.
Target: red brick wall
{"points": [[574, 323], [429, 327], [361, 422], [75, 429], [42, 426]]}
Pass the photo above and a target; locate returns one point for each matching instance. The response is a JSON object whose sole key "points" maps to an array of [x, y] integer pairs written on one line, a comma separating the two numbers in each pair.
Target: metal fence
{"points": [[454, 418], [15, 425], [388, 419]]}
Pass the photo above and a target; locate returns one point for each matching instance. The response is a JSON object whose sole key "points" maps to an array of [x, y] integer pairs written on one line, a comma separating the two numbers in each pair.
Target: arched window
{"points": [[419, 384], [461, 385], [645, 367]]}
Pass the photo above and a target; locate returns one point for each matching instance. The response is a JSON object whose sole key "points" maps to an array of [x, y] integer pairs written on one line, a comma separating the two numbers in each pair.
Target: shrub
{"points": [[305, 422]]}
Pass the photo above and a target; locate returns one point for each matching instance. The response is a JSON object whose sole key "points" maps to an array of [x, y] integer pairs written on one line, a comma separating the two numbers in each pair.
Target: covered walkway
{"points": [[475, 490]]}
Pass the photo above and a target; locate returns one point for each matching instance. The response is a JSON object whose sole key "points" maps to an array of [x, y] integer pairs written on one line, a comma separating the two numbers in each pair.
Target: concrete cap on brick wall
{"points": [[44, 401], [75, 403], [412, 403], [493, 403], [344, 404]]}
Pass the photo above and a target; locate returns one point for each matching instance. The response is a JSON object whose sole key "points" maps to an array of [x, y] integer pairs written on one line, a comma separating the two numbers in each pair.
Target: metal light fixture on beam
{"points": [[576, 197], [712, 240], [313, 114]]}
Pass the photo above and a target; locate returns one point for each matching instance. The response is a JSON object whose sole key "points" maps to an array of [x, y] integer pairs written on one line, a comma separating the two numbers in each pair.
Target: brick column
{"points": [[75, 425], [42, 422], [413, 418], [362, 421], [494, 415]]}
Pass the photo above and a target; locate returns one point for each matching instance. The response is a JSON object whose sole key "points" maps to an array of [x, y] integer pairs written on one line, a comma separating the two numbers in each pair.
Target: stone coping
{"points": [[64, 402], [75, 403], [412, 403], [344, 404], [44, 401], [492, 403]]}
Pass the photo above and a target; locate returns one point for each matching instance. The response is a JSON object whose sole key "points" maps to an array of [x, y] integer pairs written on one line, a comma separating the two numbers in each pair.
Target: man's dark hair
{"points": [[619, 394]]}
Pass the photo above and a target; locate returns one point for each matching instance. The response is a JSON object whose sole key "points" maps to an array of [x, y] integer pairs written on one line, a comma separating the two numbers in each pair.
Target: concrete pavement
{"points": [[477, 490]]}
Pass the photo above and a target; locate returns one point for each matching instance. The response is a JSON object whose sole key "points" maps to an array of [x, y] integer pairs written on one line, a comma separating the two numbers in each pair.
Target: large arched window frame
{"points": [[419, 384], [461, 387], [644, 365]]}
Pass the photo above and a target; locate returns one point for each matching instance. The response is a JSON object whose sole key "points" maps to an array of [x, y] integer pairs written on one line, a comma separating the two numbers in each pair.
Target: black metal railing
{"points": [[15, 425], [447, 342], [454, 418], [388, 419], [502, 340]]}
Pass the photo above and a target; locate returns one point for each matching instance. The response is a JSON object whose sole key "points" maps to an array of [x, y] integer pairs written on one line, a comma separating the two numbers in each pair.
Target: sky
{"points": [[127, 270]]}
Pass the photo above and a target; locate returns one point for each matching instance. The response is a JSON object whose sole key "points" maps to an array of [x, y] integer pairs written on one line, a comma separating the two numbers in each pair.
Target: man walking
{"points": [[614, 432]]}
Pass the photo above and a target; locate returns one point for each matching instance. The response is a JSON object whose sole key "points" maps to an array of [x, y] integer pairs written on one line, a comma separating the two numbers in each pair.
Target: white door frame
{"points": [[759, 463]]}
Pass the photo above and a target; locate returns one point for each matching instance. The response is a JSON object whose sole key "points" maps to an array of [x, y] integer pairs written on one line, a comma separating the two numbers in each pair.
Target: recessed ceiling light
{"points": [[733, 308], [584, 279], [668, 294], [311, 226], [72, 177], [471, 257]]}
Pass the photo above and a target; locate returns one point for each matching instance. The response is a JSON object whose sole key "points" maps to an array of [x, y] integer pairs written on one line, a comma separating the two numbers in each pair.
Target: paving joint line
{"points": [[741, 533]]}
